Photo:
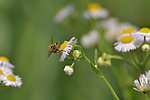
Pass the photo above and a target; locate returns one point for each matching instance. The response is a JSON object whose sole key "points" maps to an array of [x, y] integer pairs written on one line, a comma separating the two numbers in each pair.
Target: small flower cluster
{"points": [[128, 38], [113, 28], [7, 78], [70, 50], [131, 39], [143, 83], [94, 10], [105, 59]]}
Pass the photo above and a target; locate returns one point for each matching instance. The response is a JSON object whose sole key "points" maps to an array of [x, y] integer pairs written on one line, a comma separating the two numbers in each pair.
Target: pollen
{"points": [[94, 6], [129, 30], [1, 72], [4, 58], [11, 78], [63, 46], [126, 39], [144, 30]]}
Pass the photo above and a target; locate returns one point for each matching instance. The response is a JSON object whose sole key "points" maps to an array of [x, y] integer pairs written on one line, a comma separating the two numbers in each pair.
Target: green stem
{"points": [[148, 94], [128, 62], [135, 58], [72, 64], [146, 58], [97, 71]]}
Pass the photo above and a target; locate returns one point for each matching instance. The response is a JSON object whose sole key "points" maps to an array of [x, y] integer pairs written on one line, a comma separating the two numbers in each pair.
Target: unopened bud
{"points": [[68, 70], [76, 54], [145, 47], [104, 60]]}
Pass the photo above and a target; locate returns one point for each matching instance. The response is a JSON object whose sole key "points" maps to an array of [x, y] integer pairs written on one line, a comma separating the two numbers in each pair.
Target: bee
{"points": [[53, 48]]}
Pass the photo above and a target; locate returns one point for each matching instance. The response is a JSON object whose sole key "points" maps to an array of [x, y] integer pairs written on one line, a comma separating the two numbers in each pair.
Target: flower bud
{"points": [[68, 70], [145, 47], [76, 54], [104, 60]]}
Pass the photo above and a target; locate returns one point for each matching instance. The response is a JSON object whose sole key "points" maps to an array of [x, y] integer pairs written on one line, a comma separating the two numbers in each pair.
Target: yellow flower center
{"points": [[126, 39], [94, 6], [129, 30], [1, 72], [142, 88], [63, 46], [11, 78], [144, 30], [4, 58]]}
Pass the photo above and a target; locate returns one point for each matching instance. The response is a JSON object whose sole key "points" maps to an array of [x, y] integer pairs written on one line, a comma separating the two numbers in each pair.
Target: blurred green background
{"points": [[26, 27]]}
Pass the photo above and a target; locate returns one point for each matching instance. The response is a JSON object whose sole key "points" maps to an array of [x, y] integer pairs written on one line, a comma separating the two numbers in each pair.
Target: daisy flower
{"points": [[127, 31], [113, 28], [143, 83], [5, 62], [90, 39], [4, 71], [66, 48], [95, 11], [12, 80], [127, 42], [64, 13], [145, 32]]}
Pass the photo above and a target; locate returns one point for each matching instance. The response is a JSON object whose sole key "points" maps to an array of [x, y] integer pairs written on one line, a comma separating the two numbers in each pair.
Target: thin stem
{"points": [[134, 57], [97, 71], [72, 64], [148, 94], [128, 62], [146, 58]]}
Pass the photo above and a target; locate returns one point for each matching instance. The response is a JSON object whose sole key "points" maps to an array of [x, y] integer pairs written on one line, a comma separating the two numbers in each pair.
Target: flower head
{"points": [[66, 48], [95, 10], [90, 39], [12, 80], [64, 13], [143, 83], [4, 71], [127, 42], [5, 62], [144, 31], [128, 31], [68, 70]]}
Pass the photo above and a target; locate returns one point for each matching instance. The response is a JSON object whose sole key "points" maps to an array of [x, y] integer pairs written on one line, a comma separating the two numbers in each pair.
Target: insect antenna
{"points": [[52, 41]]}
